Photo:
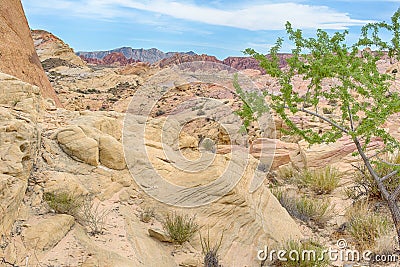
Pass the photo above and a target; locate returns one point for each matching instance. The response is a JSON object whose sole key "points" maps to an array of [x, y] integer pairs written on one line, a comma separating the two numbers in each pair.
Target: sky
{"points": [[220, 28]]}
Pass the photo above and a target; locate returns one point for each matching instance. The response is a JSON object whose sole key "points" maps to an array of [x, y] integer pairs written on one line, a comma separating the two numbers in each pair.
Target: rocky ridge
{"points": [[151, 55], [18, 56], [115, 58]]}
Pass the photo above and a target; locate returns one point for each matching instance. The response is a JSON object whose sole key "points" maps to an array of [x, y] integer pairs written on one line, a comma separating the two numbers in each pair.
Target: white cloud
{"points": [[250, 16]]}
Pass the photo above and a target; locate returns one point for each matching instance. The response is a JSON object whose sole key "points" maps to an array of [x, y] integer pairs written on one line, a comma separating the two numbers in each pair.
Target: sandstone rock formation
{"points": [[77, 144], [179, 59], [48, 232], [49, 46], [17, 52], [19, 141], [242, 63]]}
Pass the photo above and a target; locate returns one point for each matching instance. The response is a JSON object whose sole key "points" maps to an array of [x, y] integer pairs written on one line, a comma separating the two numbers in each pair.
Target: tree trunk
{"points": [[391, 202], [395, 212]]}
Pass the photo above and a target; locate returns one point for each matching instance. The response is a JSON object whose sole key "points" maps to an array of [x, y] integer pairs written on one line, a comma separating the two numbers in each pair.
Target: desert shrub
{"points": [[316, 210], [301, 254], [211, 258], [180, 228], [305, 208], [92, 216], [365, 185], [321, 181], [146, 214], [63, 202], [366, 226], [288, 173]]}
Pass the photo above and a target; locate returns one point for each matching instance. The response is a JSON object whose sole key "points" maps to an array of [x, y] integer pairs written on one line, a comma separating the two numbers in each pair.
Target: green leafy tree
{"points": [[347, 74]]}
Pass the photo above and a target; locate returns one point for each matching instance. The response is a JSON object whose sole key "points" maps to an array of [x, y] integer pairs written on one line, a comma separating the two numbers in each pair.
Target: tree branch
{"points": [[371, 170], [389, 175], [325, 119], [359, 169], [389, 163]]}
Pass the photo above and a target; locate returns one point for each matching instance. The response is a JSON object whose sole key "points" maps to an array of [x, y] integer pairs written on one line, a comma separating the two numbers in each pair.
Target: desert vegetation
{"points": [[364, 101], [180, 228]]}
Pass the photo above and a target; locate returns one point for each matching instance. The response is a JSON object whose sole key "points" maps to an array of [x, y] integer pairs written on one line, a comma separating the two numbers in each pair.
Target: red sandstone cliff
{"points": [[17, 52]]}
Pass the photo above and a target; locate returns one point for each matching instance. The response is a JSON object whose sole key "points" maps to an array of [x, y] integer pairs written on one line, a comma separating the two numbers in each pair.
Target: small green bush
{"points": [[321, 181], [307, 209], [306, 257], [313, 209], [180, 228], [366, 226], [287, 173], [63, 202], [92, 216]]}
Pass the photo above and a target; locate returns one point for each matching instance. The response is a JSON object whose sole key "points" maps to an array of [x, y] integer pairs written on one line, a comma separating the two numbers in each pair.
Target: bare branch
{"points": [[325, 119], [371, 170], [359, 169], [389, 163], [389, 175]]}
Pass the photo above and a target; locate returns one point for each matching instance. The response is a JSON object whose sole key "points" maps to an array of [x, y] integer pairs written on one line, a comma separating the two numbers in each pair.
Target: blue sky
{"points": [[220, 27]]}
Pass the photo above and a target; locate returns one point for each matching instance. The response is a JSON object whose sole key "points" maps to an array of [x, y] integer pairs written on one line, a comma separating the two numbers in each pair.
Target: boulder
{"points": [[78, 145], [64, 181], [105, 123], [281, 152], [338, 154], [111, 153], [159, 235], [188, 141], [48, 232]]}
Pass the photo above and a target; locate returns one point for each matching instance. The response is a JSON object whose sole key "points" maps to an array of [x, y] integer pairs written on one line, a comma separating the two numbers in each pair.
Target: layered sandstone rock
{"points": [[19, 141], [77, 144], [48, 46], [17, 52]]}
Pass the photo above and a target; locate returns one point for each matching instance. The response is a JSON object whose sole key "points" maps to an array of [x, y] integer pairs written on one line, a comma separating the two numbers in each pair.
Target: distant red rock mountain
{"points": [[115, 58], [239, 63], [179, 59], [126, 56], [151, 55]]}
